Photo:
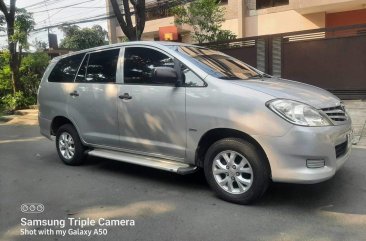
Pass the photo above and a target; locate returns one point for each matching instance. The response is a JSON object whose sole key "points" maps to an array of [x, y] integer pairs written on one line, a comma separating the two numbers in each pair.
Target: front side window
{"points": [[218, 64], [99, 67], [190, 78], [66, 68], [139, 65]]}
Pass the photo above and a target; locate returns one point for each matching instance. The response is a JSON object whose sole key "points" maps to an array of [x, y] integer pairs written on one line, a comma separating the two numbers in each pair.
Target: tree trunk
{"points": [[125, 19], [14, 60]]}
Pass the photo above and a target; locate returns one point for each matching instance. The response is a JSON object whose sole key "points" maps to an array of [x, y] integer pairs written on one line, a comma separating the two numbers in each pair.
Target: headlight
{"points": [[298, 113]]}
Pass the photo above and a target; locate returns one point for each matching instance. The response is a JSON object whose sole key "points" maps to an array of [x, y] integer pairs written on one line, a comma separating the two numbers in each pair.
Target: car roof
{"points": [[110, 46]]}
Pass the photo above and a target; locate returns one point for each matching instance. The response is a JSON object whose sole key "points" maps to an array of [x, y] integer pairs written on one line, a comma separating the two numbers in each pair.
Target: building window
{"points": [[270, 3], [158, 9]]}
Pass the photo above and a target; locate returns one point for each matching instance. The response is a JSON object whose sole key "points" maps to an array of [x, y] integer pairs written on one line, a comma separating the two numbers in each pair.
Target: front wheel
{"points": [[236, 170], [69, 147]]}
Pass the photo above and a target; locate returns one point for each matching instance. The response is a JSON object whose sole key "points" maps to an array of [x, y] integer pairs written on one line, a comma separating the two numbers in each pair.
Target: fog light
{"points": [[315, 163]]}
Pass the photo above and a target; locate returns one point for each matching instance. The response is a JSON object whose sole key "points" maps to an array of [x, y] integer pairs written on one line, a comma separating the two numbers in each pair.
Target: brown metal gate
{"points": [[333, 59]]}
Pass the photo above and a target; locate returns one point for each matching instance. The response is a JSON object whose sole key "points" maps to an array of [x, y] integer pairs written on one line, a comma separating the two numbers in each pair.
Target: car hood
{"points": [[287, 89]]}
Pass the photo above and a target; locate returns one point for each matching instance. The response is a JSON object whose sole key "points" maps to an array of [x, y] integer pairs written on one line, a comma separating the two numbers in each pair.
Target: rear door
{"points": [[92, 103], [151, 115]]}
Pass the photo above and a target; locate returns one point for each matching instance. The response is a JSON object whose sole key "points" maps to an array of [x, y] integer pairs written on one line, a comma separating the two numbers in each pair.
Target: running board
{"points": [[153, 162]]}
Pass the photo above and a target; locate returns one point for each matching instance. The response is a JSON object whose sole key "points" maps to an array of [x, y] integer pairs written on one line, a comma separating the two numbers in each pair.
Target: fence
{"points": [[331, 58]]}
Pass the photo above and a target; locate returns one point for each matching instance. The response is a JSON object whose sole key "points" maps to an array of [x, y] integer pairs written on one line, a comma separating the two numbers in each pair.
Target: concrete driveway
{"points": [[166, 206]]}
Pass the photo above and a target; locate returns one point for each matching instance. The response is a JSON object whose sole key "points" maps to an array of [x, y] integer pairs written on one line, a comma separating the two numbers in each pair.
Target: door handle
{"points": [[125, 96], [74, 93]]}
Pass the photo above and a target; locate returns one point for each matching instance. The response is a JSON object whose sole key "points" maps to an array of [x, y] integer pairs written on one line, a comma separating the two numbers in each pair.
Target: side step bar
{"points": [[157, 163]]}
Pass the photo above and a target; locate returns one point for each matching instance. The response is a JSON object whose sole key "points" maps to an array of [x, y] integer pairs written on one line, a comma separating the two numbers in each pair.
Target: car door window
{"points": [[139, 64], [101, 67], [65, 69], [80, 77], [190, 78]]}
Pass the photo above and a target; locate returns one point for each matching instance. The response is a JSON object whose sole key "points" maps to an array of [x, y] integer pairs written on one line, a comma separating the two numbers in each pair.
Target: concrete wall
{"points": [[281, 22], [312, 6], [346, 18]]}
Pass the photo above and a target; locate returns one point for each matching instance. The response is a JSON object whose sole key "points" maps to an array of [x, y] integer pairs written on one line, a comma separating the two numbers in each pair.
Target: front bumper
{"points": [[288, 154]]}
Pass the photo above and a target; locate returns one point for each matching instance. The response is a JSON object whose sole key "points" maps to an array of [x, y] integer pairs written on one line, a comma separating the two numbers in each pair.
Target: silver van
{"points": [[180, 107]]}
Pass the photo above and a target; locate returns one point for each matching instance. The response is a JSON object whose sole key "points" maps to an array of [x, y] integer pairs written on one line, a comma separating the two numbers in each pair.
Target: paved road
{"points": [[166, 206]]}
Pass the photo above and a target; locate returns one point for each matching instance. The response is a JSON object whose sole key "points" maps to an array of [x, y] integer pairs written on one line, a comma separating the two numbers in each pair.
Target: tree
{"points": [[76, 38], [9, 16], [5, 74], [23, 25], [18, 25], [31, 70], [125, 19], [206, 18]]}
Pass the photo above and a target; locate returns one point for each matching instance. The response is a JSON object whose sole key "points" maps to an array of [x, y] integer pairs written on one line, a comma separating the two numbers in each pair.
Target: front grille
{"points": [[341, 149], [337, 113]]}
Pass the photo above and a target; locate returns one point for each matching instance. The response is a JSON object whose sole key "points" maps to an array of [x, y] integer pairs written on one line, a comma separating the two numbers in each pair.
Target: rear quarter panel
{"points": [[52, 100]]}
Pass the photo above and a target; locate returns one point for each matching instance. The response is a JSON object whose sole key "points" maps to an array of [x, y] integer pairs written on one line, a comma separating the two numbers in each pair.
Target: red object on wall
{"points": [[346, 18], [168, 33]]}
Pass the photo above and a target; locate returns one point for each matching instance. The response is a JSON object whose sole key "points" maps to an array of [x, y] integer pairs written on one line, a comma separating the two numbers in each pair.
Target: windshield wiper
{"points": [[229, 78], [261, 76]]}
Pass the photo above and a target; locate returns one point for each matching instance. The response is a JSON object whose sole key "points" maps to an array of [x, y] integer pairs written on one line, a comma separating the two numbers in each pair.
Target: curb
{"points": [[6, 118], [25, 112]]}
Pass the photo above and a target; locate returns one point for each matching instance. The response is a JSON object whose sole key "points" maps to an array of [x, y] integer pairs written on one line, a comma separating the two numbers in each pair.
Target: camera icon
{"points": [[32, 208]]}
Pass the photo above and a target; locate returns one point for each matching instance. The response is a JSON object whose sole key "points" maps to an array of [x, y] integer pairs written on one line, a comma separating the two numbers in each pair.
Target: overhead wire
{"points": [[63, 7]]}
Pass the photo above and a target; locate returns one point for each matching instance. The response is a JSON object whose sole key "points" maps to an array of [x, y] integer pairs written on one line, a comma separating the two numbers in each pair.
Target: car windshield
{"points": [[219, 64]]}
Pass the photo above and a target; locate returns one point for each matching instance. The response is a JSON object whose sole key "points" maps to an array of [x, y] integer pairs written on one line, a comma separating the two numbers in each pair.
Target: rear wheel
{"points": [[68, 145], [236, 170]]}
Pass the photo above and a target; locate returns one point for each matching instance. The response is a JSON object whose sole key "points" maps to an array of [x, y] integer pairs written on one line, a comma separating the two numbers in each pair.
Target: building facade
{"points": [[247, 18]]}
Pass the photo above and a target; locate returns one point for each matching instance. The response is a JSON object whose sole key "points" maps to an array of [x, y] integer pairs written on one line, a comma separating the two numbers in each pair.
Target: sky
{"points": [[51, 12]]}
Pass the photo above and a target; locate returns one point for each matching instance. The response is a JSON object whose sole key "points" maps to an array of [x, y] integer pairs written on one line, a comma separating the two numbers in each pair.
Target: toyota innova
{"points": [[180, 107]]}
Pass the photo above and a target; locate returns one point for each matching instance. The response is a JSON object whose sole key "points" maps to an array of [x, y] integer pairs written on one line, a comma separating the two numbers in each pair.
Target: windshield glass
{"points": [[218, 64]]}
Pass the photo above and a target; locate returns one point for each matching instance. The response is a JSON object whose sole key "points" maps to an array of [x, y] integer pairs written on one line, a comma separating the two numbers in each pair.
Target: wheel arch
{"points": [[59, 121], [216, 134]]}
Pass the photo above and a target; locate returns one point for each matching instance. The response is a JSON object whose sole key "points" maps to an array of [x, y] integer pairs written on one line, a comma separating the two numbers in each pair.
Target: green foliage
{"points": [[24, 23], [76, 38], [123, 39], [5, 74], [12, 102], [2, 23], [206, 18], [31, 71]]}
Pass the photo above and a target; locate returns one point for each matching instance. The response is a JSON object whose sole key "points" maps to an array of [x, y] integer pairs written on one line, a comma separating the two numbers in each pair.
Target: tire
{"points": [[248, 173], [69, 136]]}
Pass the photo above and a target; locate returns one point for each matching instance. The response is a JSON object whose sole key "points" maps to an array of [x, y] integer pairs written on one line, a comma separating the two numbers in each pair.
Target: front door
{"points": [[151, 114], [93, 99]]}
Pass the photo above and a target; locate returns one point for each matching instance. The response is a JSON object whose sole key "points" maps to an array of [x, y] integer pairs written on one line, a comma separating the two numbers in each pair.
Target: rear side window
{"points": [[66, 69], [101, 67]]}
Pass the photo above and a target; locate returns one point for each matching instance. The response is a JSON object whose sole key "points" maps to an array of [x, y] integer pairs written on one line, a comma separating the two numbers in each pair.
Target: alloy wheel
{"points": [[232, 172]]}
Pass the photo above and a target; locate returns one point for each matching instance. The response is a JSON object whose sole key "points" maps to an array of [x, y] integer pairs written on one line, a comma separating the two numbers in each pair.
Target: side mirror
{"points": [[165, 76]]}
